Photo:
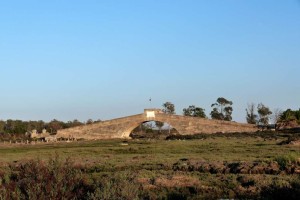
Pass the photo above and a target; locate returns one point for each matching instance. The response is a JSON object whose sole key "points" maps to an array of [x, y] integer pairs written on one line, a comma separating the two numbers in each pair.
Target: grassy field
{"points": [[211, 164], [120, 152]]}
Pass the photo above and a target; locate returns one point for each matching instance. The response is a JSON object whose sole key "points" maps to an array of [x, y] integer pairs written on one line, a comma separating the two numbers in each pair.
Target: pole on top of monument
{"points": [[150, 100]]}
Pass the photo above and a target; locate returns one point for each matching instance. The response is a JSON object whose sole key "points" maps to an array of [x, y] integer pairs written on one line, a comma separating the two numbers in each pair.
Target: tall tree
{"points": [[222, 109], [168, 108], [9, 126], [264, 113], [2, 126], [54, 126], [251, 116], [276, 115], [194, 111]]}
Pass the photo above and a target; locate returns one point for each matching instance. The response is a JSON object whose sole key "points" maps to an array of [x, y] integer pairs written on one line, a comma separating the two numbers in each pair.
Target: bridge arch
{"points": [[131, 127]]}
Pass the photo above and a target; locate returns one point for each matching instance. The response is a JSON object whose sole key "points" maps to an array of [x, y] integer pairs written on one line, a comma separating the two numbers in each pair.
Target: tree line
{"points": [[222, 110], [17, 127]]}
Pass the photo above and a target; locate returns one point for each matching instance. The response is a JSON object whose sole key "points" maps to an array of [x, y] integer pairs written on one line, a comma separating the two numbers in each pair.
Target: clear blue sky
{"points": [[74, 59]]}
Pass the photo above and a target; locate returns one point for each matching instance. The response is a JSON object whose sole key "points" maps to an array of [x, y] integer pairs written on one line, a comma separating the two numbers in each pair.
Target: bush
{"points": [[118, 186], [291, 138], [281, 190], [43, 180], [285, 160]]}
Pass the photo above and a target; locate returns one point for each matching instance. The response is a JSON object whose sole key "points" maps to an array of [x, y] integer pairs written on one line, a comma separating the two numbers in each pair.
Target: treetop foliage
{"points": [[169, 108], [222, 109], [21, 127], [221, 101], [290, 115], [194, 111], [264, 113], [251, 116]]}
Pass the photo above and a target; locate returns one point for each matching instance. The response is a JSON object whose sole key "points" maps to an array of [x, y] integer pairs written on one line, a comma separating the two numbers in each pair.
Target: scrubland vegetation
{"points": [[240, 166]]}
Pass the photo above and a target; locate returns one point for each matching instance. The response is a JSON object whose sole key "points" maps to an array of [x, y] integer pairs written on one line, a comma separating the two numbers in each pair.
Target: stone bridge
{"points": [[122, 127]]}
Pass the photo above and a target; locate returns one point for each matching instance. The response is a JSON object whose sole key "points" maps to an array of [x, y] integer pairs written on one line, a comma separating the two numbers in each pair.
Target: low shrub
{"points": [[121, 185], [282, 190], [265, 135], [61, 179], [290, 139], [285, 160], [37, 179]]}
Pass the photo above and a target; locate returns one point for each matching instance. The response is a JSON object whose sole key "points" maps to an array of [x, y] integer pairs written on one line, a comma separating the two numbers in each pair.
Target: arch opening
{"points": [[153, 130]]}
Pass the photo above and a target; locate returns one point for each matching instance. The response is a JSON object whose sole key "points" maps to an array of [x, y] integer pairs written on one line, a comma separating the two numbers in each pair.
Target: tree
{"points": [[2, 126], [194, 111], [222, 109], [54, 126], [251, 116], [9, 126], [89, 121], [290, 115], [276, 115], [287, 115], [148, 127], [264, 114], [37, 125], [20, 127], [159, 125], [76, 122], [168, 108]]}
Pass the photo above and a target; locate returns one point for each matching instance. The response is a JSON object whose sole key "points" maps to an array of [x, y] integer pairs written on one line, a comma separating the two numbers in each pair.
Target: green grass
{"points": [[112, 152], [109, 166]]}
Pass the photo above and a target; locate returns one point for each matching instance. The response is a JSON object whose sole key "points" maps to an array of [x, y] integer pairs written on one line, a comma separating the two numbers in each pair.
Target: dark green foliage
{"points": [[14, 126], [17, 128], [290, 115], [251, 116], [222, 109], [264, 114], [285, 160], [169, 108], [194, 111], [277, 190], [55, 125]]}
